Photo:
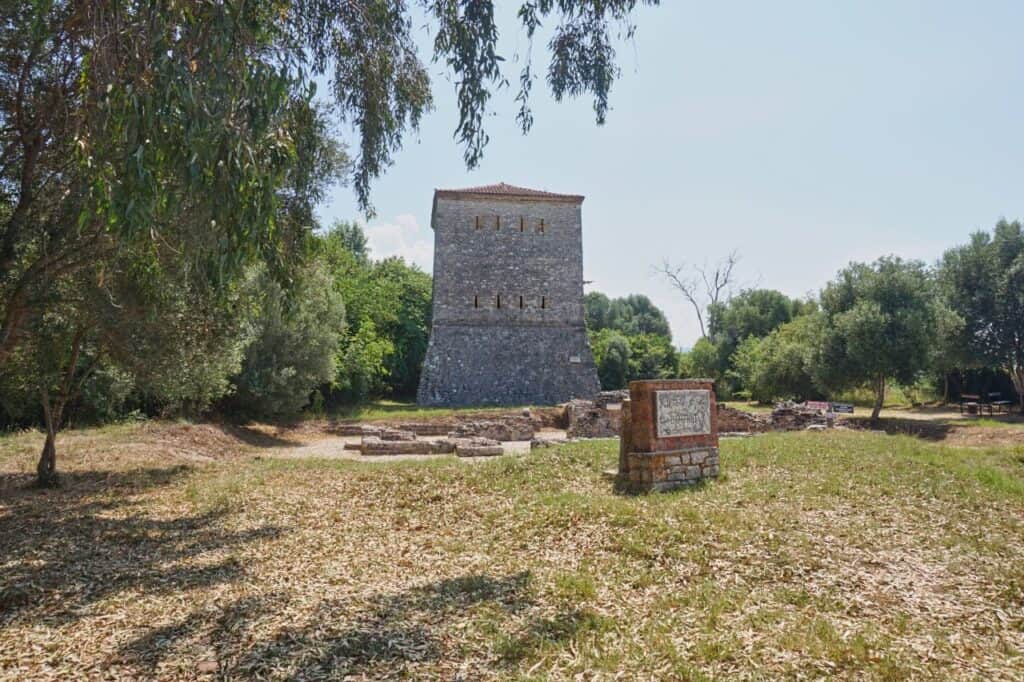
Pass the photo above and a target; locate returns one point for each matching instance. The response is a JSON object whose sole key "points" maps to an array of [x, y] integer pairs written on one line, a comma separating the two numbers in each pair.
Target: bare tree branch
{"points": [[706, 287]]}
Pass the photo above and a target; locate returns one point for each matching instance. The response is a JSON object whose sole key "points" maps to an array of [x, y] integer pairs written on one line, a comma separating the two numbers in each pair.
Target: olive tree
{"points": [[879, 323], [983, 281]]}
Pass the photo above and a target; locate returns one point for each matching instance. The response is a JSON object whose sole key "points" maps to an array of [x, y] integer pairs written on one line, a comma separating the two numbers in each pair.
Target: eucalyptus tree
{"points": [[150, 153], [183, 137]]}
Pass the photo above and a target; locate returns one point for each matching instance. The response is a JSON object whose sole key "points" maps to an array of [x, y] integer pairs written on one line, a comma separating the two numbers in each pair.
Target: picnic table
{"points": [[996, 402], [975, 403]]}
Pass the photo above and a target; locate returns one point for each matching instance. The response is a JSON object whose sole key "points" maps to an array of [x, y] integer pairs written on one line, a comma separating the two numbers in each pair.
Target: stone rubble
{"points": [[793, 417], [732, 420], [597, 418]]}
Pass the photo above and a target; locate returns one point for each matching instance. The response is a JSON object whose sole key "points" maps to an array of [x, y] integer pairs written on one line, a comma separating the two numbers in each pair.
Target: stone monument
{"points": [[507, 325], [669, 435]]}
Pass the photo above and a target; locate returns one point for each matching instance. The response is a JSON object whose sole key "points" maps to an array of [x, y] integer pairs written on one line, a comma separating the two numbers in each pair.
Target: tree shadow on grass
{"points": [[70, 547], [256, 437], [542, 633], [919, 428], [383, 639]]}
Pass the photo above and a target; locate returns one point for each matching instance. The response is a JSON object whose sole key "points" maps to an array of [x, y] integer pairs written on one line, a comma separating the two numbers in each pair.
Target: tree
{"points": [[630, 339], [633, 314], [390, 295], [983, 282], [611, 354], [148, 155], [350, 237], [752, 312], [295, 346], [652, 357], [595, 306], [184, 134], [621, 358], [407, 322], [703, 286], [700, 361], [636, 314], [780, 365], [178, 341], [880, 321]]}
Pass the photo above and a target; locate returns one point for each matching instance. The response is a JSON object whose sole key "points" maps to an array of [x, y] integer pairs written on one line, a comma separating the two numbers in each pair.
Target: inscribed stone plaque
{"points": [[683, 413]]}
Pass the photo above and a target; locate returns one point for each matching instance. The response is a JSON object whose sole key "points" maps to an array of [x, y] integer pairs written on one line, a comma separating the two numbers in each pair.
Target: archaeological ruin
{"points": [[508, 322]]}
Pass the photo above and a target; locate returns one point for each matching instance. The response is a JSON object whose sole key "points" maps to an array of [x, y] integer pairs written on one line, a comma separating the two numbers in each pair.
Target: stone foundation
{"points": [[477, 447], [373, 445], [659, 471]]}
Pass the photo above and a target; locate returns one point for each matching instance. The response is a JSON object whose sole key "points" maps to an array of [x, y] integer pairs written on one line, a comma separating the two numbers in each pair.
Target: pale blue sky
{"points": [[804, 134]]}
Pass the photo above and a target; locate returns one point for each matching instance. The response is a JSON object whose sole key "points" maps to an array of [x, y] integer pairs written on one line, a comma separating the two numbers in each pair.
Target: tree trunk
{"points": [[53, 412], [945, 388], [46, 470], [879, 398], [1018, 383]]}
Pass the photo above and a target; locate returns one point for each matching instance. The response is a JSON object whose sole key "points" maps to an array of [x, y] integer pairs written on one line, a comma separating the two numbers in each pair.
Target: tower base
{"points": [[469, 365]]}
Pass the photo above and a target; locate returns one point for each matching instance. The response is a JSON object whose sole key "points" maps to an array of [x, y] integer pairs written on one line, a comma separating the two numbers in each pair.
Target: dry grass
{"points": [[854, 555]]}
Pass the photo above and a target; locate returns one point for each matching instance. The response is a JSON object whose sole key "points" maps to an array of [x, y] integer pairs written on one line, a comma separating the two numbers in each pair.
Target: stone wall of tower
{"points": [[508, 320]]}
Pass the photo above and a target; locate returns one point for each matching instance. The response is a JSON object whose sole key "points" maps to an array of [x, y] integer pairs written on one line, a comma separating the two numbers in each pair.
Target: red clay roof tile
{"points": [[502, 189]]}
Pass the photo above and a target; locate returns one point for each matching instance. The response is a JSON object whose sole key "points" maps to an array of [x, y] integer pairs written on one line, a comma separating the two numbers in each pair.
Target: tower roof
{"points": [[502, 190]]}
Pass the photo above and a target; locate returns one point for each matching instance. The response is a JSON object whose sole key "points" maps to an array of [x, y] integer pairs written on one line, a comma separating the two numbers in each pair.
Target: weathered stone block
{"points": [[395, 434], [477, 447]]}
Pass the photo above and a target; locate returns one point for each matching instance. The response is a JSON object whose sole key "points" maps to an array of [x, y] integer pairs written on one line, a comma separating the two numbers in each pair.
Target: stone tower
{"points": [[508, 326]]}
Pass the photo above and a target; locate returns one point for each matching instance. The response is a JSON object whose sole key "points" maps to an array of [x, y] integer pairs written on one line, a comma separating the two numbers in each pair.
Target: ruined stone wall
{"points": [[731, 420], [508, 321]]}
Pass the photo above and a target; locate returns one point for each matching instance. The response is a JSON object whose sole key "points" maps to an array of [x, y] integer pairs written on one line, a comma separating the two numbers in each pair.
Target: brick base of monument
{"points": [[659, 471], [669, 435]]}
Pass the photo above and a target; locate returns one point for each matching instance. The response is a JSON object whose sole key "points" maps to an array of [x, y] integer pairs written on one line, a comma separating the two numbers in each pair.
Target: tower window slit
{"points": [[499, 300], [544, 302], [476, 301], [540, 228], [522, 224], [497, 222], [520, 302], [478, 222]]}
